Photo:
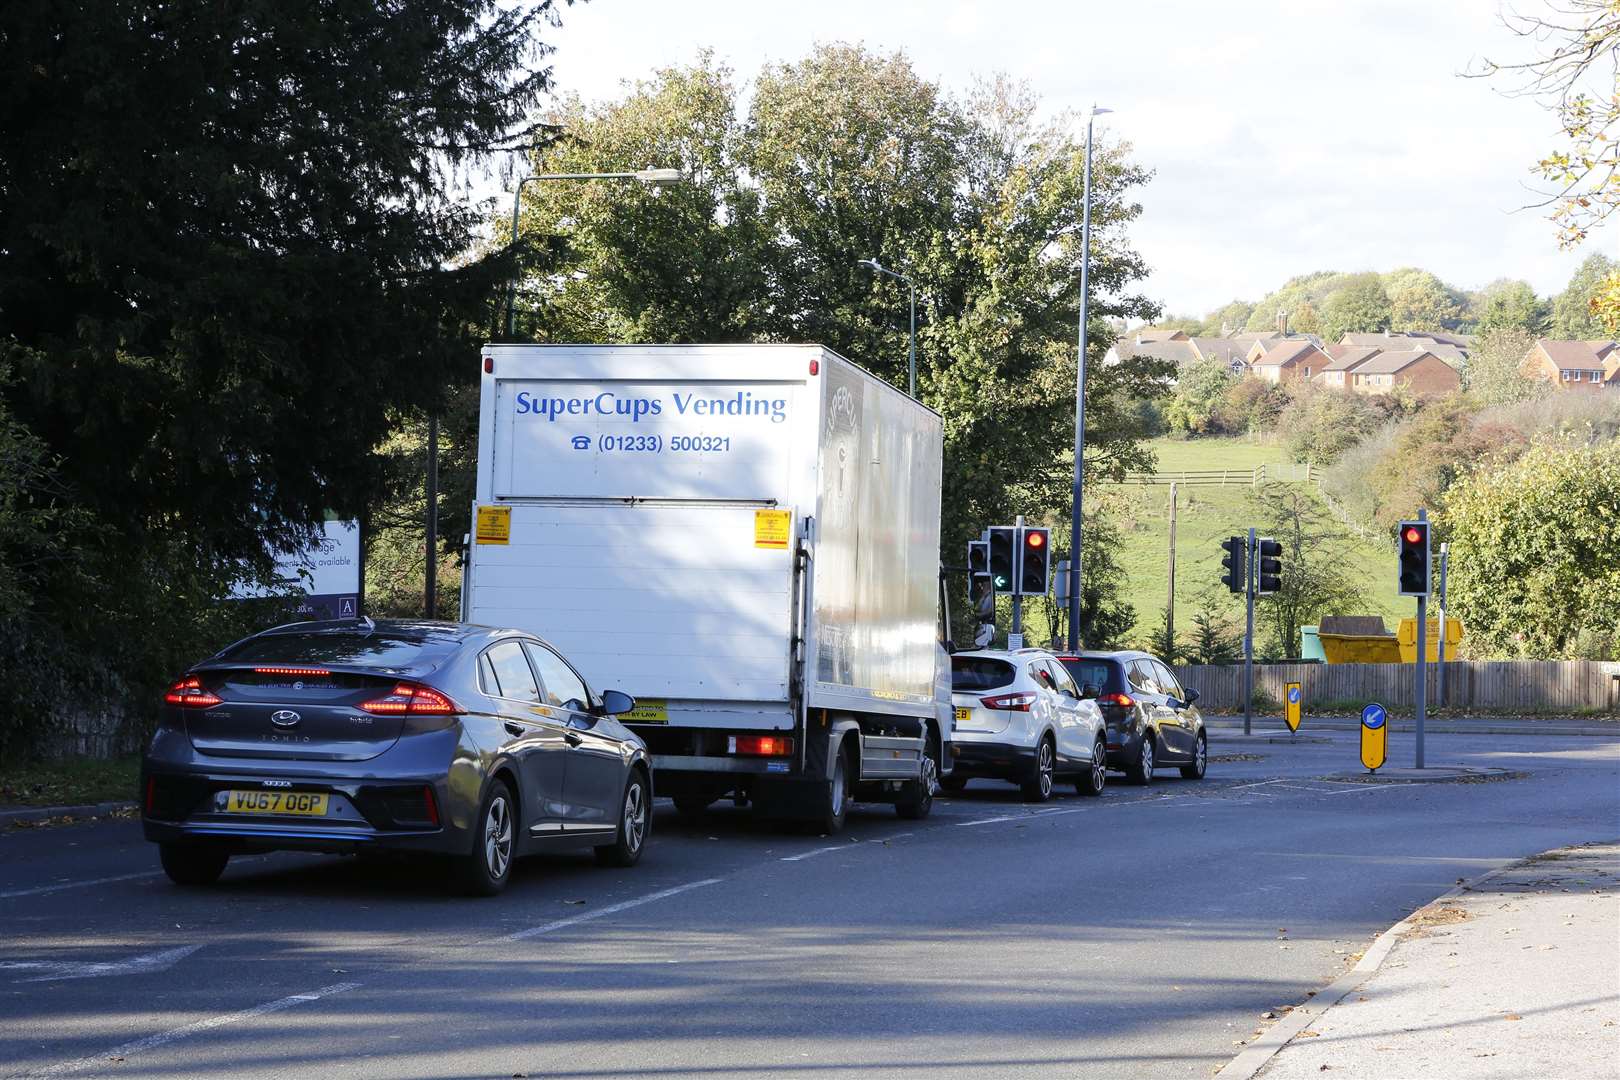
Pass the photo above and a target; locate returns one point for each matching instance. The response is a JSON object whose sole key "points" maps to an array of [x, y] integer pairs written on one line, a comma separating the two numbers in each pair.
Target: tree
{"points": [[1227, 318], [1323, 422], [850, 155], [1253, 404], [1509, 305], [1315, 580], [1573, 316], [1305, 320], [1216, 639], [1360, 305], [230, 256], [1200, 394], [1420, 301], [1575, 76], [1605, 303], [1494, 374], [1533, 557]]}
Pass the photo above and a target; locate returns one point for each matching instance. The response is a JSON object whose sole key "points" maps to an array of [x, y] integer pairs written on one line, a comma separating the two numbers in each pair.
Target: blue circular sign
{"points": [[1373, 716], [1293, 694]]}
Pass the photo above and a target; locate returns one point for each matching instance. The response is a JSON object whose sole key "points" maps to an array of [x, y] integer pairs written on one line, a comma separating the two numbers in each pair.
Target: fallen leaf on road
{"points": [[1268, 1014], [1308, 1034], [573, 901], [1512, 1016]]}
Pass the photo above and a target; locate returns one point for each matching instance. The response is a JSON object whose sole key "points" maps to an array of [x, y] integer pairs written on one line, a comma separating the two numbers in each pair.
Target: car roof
{"points": [[1108, 654]]}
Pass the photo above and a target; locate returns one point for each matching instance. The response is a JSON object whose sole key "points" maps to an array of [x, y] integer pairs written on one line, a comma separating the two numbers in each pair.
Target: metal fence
{"points": [[1554, 686]]}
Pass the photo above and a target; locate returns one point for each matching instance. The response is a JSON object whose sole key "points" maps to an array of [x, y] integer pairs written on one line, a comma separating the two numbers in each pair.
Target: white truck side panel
{"points": [[875, 605]]}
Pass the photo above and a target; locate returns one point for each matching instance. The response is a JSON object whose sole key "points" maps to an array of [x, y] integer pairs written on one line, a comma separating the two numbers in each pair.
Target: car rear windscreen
{"points": [[974, 673], [366, 650], [1098, 673]]}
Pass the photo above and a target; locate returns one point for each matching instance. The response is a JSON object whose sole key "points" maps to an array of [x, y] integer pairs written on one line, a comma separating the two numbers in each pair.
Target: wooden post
{"points": [[1170, 609]]}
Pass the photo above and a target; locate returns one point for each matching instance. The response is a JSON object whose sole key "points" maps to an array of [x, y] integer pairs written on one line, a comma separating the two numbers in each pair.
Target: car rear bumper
{"points": [[1124, 746], [990, 759], [362, 815]]}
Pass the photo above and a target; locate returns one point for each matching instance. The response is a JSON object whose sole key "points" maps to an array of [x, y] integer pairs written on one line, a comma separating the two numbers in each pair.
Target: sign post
{"points": [[1248, 636], [1374, 737], [1293, 706]]}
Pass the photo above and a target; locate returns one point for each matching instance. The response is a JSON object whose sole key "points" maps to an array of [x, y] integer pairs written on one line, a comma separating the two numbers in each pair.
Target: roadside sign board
{"points": [[1015, 642], [1374, 736], [323, 578], [1293, 706]]}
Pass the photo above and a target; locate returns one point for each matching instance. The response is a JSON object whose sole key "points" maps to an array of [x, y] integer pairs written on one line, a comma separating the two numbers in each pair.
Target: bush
{"points": [[1252, 405], [1196, 406], [1322, 422]]}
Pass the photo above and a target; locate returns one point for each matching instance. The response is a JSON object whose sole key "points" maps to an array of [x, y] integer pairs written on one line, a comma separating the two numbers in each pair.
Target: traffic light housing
{"points": [[1268, 575], [1236, 562], [1003, 557], [979, 558], [1413, 540], [1034, 561]]}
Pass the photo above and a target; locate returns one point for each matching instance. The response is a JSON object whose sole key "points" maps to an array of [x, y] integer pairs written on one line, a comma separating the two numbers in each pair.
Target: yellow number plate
{"points": [[962, 715], [300, 803]]}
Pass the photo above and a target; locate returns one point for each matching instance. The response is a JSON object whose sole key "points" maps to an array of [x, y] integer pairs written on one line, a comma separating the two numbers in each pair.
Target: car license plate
{"points": [[963, 715], [299, 803]]}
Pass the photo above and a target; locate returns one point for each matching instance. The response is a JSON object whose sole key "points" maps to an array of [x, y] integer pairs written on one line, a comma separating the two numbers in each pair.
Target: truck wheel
{"points": [[193, 864], [919, 794], [836, 799], [1038, 780]]}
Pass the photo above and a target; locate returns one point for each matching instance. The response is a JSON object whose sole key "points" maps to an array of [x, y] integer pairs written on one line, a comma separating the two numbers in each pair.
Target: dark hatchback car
{"points": [[1150, 716], [352, 736]]}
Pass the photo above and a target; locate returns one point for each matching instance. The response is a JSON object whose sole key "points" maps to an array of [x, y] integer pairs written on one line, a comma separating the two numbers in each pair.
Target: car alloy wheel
{"points": [[1099, 766], [1038, 786], [635, 816], [1143, 773], [1200, 761], [498, 837]]}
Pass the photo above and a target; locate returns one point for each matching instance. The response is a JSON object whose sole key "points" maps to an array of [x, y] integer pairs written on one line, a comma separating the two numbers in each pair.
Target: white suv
{"points": [[1020, 717]]}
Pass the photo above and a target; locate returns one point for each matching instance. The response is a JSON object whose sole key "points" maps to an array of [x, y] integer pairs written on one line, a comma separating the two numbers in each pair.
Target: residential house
{"points": [[1574, 365], [1342, 360], [1452, 348], [1227, 350], [1178, 349], [1289, 360], [1419, 371]]}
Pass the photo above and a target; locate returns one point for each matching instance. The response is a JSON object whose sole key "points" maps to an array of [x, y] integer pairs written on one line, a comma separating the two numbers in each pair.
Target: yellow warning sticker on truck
{"points": [[773, 528], [494, 525], [647, 711]]}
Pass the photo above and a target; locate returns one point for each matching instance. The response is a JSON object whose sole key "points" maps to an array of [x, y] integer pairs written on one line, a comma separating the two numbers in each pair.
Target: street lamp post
{"points": [[911, 358], [645, 176], [1080, 397]]}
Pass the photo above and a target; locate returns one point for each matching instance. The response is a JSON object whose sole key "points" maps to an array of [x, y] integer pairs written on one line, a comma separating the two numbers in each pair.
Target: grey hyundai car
{"points": [[350, 736]]}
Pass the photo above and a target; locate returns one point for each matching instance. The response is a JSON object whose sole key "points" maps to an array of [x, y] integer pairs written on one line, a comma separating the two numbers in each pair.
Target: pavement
{"points": [[1516, 974], [1141, 933]]}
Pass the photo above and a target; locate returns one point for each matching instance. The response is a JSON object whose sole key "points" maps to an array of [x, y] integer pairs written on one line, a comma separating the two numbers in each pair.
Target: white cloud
{"points": [[1286, 137]]}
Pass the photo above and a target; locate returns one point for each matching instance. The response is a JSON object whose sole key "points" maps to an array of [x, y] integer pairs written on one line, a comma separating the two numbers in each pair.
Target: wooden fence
{"points": [[1554, 686], [1260, 474]]}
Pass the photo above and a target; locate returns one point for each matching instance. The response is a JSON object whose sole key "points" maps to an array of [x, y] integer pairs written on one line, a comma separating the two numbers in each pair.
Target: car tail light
{"points": [[762, 745], [411, 699], [1117, 699], [190, 693], [1016, 702], [313, 672]]}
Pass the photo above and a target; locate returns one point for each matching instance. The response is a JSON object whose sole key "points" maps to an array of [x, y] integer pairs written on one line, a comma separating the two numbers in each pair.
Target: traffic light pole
{"points": [[1440, 673], [1248, 636], [1420, 691], [1016, 634]]}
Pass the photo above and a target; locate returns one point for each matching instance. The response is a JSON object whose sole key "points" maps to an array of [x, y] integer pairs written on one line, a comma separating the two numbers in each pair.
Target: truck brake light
{"points": [[761, 745], [1015, 702]]}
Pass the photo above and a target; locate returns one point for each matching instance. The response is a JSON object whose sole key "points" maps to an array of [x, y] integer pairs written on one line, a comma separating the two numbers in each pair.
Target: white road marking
{"points": [[136, 965], [40, 890], [611, 909], [817, 851], [163, 1038], [1018, 817]]}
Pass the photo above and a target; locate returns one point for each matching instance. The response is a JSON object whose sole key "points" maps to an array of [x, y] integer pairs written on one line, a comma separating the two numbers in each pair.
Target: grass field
{"points": [[1205, 516]]}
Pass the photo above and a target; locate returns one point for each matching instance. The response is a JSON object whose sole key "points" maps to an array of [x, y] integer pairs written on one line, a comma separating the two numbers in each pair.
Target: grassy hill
{"points": [[1208, 514]]}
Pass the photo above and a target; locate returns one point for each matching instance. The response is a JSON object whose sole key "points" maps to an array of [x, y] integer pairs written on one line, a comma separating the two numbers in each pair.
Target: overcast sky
{"points": [[1285, 137]]}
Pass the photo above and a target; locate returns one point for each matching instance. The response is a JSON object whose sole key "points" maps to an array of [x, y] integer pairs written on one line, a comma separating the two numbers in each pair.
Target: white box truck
{"points": [[745, 538]]}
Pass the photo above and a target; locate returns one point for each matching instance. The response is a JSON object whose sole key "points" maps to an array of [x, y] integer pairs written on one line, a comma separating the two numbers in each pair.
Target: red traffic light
{"points": [[1413, 535], [1034, 539]]}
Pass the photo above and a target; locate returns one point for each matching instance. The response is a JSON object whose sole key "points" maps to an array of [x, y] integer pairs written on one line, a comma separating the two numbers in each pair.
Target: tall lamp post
{"points": [[656, 177], [911, 358], [1080, 396]]}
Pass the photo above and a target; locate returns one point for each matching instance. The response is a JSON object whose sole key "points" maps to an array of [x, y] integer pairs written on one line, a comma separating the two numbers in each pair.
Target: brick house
{"points": [[1418, 370], [1574, 365], [1290, 360], [1343, 359]]}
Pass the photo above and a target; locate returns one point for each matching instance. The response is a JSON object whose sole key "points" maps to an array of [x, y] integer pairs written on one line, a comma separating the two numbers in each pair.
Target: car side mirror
{"points": [[1192, 695], [1090, 692], [615, 702]]}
